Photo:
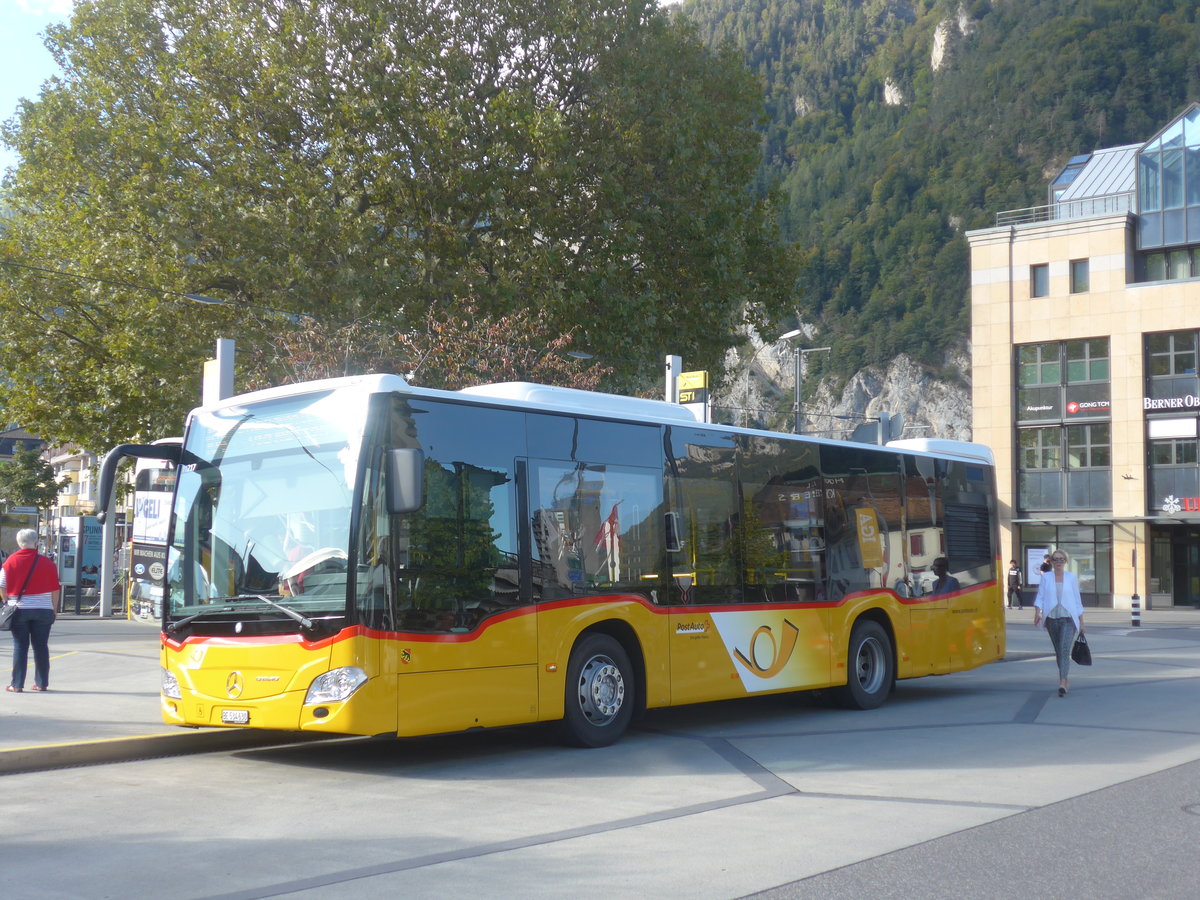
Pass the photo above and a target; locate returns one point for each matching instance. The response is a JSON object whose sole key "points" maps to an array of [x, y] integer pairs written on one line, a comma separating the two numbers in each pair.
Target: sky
{"points": [[24, 61]]}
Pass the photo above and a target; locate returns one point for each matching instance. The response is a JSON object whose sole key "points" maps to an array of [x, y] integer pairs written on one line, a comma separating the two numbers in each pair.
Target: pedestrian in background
{"points": [[1060, 609], [1014, 585], [30, 581], [1046, 566]]}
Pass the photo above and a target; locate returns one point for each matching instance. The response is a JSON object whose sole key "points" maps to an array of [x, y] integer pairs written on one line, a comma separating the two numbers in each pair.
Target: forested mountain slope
{"points": [[892, 126]]}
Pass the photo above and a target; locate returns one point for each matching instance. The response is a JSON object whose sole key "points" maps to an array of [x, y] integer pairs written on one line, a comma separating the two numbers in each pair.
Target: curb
{"points": [[43, 757]]}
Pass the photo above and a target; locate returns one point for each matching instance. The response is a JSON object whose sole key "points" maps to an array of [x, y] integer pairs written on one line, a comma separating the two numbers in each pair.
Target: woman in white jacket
{"points": [[1059, 608]]}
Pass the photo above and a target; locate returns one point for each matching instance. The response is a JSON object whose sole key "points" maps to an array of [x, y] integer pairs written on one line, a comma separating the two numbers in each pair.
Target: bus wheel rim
{"points": [[869, 665], [601, 690]]}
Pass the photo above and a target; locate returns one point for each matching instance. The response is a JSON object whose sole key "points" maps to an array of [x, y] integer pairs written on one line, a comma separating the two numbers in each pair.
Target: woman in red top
{"points": [[31, 582]]}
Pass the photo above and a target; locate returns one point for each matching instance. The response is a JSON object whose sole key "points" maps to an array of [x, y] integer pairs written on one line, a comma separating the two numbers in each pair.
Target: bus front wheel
{"points": [[871, 672], [599, 692]]}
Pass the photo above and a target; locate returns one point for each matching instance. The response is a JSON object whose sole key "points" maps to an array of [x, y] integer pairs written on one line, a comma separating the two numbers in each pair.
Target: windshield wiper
{"points": [[187, 620], [290, 613]]}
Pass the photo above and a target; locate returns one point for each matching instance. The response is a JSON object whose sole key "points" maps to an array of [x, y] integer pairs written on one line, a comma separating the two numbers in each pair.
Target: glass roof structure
{"points": [[1168, 184]]}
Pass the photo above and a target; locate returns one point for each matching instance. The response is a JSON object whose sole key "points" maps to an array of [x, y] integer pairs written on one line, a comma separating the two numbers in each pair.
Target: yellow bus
{"points": [[362, 556]]}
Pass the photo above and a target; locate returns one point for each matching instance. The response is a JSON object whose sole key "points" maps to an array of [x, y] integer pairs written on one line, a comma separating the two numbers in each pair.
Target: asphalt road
{"points": [[976, 785]]}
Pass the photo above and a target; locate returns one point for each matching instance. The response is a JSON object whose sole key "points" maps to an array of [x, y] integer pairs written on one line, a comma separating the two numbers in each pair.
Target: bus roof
{"points": [[560, 399], [940, 447], [520, 393], [525, 392]]}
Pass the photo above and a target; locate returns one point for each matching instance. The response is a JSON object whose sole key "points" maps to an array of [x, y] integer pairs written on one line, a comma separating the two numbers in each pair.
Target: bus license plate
{"points": [[235, 717]]}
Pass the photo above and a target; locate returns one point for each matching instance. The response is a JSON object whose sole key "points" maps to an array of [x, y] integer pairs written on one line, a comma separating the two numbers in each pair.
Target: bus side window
{"points": [[705, 494], [924, 523], [377, 554], [863, 519], [784, 554], [969, 509], [450, 546], [595, 528]]}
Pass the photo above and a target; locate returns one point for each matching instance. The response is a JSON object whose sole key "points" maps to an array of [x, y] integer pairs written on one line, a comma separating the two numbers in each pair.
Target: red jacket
{"points": [[43, 581]]}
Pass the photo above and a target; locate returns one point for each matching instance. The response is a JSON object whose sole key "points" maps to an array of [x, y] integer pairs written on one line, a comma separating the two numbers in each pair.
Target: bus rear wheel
{"points": [[870, 668], [599, 693]]}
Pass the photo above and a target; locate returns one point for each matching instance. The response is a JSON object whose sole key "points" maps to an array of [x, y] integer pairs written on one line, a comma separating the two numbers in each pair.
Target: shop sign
{"points": [[1165, 429], [693, 393], [1172, 504], [1039, 404], [1157, 404], [1088, 407]]}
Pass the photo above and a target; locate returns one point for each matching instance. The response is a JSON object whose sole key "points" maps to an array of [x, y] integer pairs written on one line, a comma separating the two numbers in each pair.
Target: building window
{"points": [[1172, 353], [1041, 448], [1173, 472], [1156, 267], [1149, 182], [1088, 548], [1173, 452], [1171, 427], [1065, 464], [1168, 188], [1039, 280], [1172, 177], [1040, 364], [1079, 276], [1063, 380], [1087, 360], [1039, 468], [1088, 446], [1080, 478], [1173, 265], [916, 544], [1089, 461]]}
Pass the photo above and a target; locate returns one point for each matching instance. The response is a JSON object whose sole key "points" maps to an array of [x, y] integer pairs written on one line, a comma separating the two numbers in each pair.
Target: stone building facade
{"points": [[1085, 334]]}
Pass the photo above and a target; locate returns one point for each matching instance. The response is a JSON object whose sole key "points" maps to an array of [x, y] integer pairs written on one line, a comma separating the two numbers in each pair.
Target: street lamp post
{"points": [[799, 374]]}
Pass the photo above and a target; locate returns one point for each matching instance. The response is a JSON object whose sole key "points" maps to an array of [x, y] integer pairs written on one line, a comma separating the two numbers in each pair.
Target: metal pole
{"points": [[799, 386], [1135, 601], [217, 384], [108, 550], [671, 369]]}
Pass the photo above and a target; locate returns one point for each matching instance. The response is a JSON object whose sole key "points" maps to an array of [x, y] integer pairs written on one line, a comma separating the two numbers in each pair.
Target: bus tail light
{"points": [[335, 686]]}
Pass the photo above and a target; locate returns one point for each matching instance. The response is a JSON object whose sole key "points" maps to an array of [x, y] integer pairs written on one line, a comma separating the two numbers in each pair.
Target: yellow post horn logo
{"points": [[779, 654]]}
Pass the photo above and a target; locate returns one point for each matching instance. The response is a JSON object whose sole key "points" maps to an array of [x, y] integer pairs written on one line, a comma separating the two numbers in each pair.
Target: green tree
{"points": [[371, 163], [28, 480]]}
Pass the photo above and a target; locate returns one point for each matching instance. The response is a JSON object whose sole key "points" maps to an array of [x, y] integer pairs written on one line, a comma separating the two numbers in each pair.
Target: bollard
{"points": [[1136, 610]]}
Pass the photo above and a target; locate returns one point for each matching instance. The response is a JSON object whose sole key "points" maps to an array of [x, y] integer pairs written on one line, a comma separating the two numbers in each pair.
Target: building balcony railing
{"points": [[1107, 205]]}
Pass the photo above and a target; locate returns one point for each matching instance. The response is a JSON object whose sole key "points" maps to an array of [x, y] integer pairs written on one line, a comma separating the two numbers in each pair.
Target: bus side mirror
{"points": [[674, 538], [405, 480]]}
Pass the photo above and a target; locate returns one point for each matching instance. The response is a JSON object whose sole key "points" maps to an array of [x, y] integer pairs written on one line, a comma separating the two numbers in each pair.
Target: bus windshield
{"points": [[263, 502]]}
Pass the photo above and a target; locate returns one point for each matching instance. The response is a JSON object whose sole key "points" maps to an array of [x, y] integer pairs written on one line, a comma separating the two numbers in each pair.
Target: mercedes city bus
{"points": [[362, 556]]}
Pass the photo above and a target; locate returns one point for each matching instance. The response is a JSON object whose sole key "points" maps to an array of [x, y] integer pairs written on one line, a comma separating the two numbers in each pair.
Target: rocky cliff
{"points": [[920, 401]]}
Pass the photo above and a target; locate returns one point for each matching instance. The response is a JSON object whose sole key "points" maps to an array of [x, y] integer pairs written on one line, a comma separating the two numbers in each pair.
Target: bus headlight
{"points": [[170, 685], [335, 686]]}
